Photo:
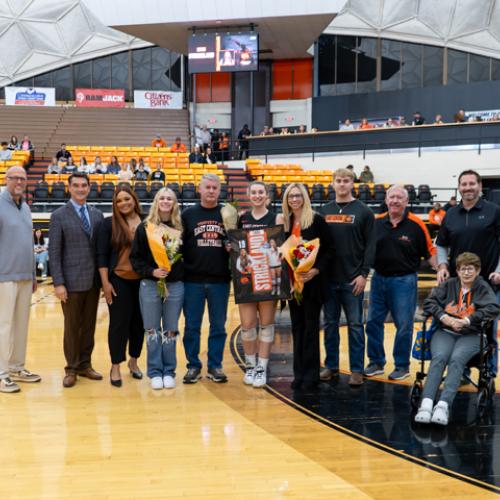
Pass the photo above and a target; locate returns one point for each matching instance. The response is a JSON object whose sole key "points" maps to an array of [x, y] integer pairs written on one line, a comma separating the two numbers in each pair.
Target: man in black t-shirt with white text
{"points": [[206, 276]]}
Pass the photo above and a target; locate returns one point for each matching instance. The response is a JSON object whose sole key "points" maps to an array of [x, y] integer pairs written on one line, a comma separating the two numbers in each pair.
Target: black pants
{"points": [[305, 332], [125, 320], [80, 312]]}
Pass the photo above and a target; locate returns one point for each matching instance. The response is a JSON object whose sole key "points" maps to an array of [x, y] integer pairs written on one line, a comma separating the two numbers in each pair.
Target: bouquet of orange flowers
{"points": [[300, 256]]}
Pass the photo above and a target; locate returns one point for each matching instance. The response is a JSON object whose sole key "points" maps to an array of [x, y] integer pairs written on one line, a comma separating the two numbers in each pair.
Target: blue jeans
{"points": [[217, 296], [42, 258], [160, 317], [339, 296], [397, 295]]}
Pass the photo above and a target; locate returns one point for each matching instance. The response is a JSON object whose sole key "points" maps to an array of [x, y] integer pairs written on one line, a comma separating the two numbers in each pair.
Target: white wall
{"points": [[211, 114], [291, 113]]}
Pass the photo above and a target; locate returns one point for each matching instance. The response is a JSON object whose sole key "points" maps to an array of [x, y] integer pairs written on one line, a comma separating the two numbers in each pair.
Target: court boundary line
{"points": [[418, 461]]}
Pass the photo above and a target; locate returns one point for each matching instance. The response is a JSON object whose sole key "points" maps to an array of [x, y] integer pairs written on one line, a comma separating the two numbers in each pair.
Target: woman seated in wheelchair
{"points": [[461, 306]]}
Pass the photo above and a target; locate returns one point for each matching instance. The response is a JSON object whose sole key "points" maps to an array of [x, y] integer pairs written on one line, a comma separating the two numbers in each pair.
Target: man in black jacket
{"points": [[351, 223]]}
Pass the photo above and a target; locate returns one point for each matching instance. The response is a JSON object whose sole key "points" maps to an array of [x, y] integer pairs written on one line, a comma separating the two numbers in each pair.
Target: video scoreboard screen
{"points": [[230, 52]]}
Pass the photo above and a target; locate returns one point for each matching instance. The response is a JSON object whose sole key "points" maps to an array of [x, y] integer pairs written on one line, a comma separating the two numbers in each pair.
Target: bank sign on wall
{"points": [[30, 96], [157, 99]]}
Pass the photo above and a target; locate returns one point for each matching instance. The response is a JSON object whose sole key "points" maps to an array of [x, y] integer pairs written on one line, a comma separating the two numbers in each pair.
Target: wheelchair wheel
{"points": [[416, 392], [481, 403]]}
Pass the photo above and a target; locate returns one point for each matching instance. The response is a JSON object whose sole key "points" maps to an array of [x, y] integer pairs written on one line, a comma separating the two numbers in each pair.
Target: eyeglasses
{"points": [[468, 269], [16, 179], [295, 196]]}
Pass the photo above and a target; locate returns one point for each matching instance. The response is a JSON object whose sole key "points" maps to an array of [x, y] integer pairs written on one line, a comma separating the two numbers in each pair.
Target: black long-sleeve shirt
{"points": [[351, 225], [143, 262]]}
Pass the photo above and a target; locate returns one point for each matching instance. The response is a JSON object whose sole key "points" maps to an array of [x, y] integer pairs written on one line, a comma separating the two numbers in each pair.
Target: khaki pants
{"points": [[15, 301]]}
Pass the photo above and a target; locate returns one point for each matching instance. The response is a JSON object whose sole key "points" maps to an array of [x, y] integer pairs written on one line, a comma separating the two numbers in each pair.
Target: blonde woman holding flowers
{"points": [[161, 293], [301, 221]]}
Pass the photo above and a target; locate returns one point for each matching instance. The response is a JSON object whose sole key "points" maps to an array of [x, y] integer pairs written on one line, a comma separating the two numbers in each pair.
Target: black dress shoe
{"points": [[137, 374], [115, 383]]}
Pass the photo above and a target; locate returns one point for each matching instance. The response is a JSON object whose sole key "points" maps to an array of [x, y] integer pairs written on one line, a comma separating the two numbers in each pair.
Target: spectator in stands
{"points": [[351, 225], [284, 131], [76, 284], [366, 175], [438, 120], [207, 277], [14, 143], [125, 174], [63, 154], [210, 156], [224, 146], [113, 167], [216, 137], [265, 130], [390, 123], [402, 121], [197, 136], [54, 167], [457, 338], [141, 174], [41, 252], [451, 203], [314, 130], [99, 167], [301, 130], [459, 116], [271, 131], [132, 165], [436, 216], [120, 283], [418, 119], [347, 125], [196, 156], [70, 167], [365, 124], [301, 221], [351, 169], [27, 145], [17, 281], [402, 240], [147, 168], [5, 154], [243, 136], [84, 167], [160, 314], [158, 142], [177, 146], [472, 226], [206, 137], [158, 174]]}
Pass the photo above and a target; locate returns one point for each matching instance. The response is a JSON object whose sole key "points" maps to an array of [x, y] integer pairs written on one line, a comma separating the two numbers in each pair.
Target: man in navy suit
{"points": [[76, 284]]}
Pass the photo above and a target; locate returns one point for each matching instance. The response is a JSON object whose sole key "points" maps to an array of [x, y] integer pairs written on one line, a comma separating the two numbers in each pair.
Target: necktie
{"points": [[85, 221]]}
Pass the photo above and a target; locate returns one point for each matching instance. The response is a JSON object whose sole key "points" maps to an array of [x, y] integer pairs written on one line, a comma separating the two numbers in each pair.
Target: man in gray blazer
{"points": [[76, 284]]}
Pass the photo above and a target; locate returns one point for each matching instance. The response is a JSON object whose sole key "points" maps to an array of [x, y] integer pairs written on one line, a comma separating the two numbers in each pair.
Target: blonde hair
{"points": [[307, 215], [154, 211], [343, 172]]}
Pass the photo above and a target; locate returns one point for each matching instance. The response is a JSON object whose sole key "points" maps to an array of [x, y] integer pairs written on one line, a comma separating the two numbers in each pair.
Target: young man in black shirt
{"points": [[472, 226], [351, 223], [206, 276], [402, 241]]}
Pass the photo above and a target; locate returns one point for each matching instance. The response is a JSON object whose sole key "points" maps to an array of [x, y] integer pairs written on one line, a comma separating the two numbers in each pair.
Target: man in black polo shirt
{"points": [[472, 226], [402, 240], [351, 224]]}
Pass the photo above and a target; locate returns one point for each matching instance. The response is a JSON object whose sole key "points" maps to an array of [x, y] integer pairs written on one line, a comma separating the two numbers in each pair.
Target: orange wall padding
{"points": [[292, 79], [213, 87]]}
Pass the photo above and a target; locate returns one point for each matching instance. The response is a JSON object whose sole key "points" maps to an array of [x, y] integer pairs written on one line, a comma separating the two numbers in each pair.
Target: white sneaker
{"points": [[156, 383], [168, 382], [440, 413], [6, 385], [44, 276], [260, 379], [24, 376], [424, 413], [249, 375], [40, 266]]}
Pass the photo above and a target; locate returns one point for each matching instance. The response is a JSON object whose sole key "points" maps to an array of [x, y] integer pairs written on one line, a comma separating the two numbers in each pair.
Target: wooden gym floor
{"points": [[207, 440]]}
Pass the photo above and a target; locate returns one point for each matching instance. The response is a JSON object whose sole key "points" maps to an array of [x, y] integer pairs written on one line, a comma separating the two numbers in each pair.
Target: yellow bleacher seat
{"points": [[96, 177], [111, 177], [83, 148], [50, 178], [123, 148]]}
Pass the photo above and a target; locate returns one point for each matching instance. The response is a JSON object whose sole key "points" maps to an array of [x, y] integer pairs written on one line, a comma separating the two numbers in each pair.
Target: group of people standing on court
{"points": [[87, 251]]}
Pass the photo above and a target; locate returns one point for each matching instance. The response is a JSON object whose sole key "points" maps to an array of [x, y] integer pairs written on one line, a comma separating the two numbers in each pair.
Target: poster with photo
{"points": [[257, 270]]}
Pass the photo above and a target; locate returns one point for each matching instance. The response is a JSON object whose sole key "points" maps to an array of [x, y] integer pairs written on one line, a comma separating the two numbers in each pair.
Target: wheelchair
{"points": [[486, 382]]}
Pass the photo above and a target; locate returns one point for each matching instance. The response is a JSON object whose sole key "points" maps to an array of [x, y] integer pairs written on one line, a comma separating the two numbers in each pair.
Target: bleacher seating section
{"points": [[18, 158]]}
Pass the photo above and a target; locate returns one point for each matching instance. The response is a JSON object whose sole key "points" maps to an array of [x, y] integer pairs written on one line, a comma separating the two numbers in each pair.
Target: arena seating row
{"points": [[43, 192]]}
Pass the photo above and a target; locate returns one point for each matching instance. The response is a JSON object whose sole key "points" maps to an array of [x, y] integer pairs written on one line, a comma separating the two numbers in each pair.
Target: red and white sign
{"points": [[100, 98], [157, 99]]}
